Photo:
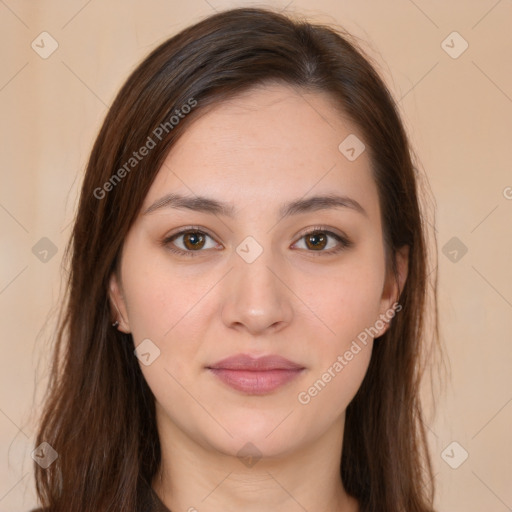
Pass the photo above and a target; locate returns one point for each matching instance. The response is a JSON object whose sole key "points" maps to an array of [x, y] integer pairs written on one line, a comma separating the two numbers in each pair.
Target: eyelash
{"points": [[344, 242]]}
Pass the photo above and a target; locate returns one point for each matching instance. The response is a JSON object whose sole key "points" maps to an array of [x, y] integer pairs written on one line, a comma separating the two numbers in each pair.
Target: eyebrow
{"points": [[212, 206]]}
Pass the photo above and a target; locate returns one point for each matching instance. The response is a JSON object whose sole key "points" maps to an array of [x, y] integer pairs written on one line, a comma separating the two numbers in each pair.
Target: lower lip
{"points": [[255, 382]]}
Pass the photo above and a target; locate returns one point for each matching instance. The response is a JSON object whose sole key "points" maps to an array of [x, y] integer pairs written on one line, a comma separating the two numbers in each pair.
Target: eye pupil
{"points": [[316, 236], [193, 237]]}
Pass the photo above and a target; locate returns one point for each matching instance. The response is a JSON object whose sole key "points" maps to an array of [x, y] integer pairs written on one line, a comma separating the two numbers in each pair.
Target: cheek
{"points": [[161, 298], [347, 299], [329, 393], [166, 308], [348, 307], [172, 309], [348, 303]]}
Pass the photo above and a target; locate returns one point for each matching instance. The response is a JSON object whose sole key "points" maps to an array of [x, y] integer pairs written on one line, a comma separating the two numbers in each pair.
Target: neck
{"points": [[192, 477]]}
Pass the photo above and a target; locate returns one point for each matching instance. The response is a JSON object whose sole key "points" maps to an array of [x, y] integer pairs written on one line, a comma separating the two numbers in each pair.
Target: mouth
{"points": [[256, 376]]}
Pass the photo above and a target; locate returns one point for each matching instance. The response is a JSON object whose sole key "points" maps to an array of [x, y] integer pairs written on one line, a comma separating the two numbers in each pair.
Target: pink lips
{"points": [[256, 376]]}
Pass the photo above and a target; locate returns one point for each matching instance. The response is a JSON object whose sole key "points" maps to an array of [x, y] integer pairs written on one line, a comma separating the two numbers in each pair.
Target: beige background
{"points": [[459, 115]]}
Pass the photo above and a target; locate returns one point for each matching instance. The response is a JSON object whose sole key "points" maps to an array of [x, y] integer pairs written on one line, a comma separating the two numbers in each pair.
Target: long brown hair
{"points": [[99, 413]]}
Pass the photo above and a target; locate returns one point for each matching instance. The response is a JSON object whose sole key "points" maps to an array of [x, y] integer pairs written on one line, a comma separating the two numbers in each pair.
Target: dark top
{"points": [[150, 503], [153, 503]]}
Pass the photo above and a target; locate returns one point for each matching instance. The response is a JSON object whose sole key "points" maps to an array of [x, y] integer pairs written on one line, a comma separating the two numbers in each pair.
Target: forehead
{"points": [[273, 142]]}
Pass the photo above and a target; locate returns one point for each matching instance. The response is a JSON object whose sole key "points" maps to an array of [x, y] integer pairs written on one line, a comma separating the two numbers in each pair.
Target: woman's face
{"points": [[255, 281]]}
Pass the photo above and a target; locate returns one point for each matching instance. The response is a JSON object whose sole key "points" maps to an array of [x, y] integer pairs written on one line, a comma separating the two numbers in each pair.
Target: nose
{"points": [[257, 298]]}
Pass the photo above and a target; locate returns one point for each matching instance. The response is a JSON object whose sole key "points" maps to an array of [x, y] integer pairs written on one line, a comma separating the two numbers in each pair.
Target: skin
{"points": [[271, 145]]}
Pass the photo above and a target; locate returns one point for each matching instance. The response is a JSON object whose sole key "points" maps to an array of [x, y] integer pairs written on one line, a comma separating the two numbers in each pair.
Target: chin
{"points": [[254, 447], [258, 434]]}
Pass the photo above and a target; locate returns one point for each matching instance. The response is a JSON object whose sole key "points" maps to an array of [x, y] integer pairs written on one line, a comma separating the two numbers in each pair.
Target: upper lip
{"points": [[247, 362]]}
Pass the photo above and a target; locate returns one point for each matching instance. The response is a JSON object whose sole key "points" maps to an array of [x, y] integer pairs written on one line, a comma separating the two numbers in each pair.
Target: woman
{"points": [[248, 288]]}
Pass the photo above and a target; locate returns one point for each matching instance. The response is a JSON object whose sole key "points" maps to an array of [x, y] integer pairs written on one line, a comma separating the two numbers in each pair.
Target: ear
{"points": [[393, 286], [120, 313]]}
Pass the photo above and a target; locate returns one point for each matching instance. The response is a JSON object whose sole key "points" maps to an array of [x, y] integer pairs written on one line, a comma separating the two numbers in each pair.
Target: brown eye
{"points": [[189, 242], [316, 241], [193, 240]]}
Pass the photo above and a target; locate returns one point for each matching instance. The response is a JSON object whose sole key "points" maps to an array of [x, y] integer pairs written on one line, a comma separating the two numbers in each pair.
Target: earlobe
{"points": [[119, 313]]}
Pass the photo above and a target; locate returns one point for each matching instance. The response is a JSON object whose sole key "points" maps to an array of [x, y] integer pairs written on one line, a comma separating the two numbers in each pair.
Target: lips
{"points": [[256, 376], [246, 362]]}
